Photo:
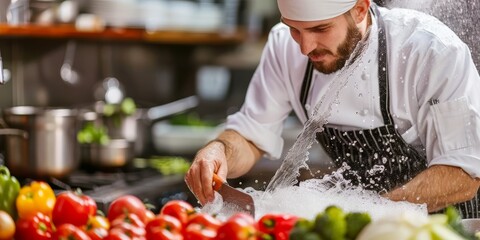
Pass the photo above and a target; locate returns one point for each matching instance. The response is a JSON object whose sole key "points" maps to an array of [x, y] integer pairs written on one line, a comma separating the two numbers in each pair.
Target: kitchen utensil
{"points": [[67, 73], [51, 146], [2, 79], [230, 195], [116, 153], [109, 90]]}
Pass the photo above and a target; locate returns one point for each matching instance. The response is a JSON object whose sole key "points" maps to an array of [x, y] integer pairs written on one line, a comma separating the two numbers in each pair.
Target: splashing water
{"points": [[312, 196]]}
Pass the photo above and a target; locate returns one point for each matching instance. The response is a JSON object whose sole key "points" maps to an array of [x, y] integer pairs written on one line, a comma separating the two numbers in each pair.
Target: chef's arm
{"points": [[241, 154], [438, 186]]}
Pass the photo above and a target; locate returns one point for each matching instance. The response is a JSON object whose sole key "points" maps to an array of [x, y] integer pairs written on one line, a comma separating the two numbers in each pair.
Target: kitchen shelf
{"points": [[125, 34]]}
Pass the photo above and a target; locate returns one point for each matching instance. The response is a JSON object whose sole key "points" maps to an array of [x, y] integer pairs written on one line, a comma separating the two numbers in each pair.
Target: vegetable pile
{"points": [[34, 212]]}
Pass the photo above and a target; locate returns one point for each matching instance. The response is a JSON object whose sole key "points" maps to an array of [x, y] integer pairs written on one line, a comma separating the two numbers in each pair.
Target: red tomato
{"points": [[38, 227], [179, 209], [195, 231], [73, 208], [127, 204], [131, 230], [205, 220], [240, 226], [116, 234], [164, 227], [97, 233], [129, 218], [70, 232], [150, 216]]}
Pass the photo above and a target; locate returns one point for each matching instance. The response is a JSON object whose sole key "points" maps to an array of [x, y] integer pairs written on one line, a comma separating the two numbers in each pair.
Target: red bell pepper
{"points": [[276, 226], [38, 227]]}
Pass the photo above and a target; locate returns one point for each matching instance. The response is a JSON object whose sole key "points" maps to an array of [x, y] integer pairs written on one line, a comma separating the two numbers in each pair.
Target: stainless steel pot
{"points": [[116, 153], [50, 145]]}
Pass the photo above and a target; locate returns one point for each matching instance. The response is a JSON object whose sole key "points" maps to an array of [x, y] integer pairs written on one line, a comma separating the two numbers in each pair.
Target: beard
{"points": [[344, 50]]}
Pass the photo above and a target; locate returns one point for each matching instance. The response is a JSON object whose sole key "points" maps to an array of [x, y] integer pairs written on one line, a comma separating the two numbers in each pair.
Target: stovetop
{"points": [[104, 187]]}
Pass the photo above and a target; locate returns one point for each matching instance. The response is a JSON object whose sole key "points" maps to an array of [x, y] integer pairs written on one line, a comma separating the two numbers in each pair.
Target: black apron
{"points": [[379, 159]]}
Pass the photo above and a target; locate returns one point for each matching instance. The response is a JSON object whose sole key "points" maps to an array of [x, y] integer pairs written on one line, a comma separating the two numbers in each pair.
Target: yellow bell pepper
{"points": [[36, 197]]}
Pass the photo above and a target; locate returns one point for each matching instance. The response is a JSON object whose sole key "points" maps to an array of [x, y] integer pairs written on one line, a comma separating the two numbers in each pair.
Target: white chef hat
{"points": [[313, 10]]}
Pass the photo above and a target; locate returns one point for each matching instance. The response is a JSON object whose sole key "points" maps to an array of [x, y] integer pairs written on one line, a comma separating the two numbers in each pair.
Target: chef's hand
{"points": [[199, 178]]}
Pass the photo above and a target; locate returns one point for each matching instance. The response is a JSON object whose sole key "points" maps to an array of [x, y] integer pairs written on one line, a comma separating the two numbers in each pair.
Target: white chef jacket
{"points": [[434, 91]]}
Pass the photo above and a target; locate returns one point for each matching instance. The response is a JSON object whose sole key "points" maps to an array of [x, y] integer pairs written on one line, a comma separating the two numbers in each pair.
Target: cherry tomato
{"points": [[7, 226], [127, 204], [240, 226], [73, 208], [164, 227], [70, 232], [38, 227], [179, 209]]}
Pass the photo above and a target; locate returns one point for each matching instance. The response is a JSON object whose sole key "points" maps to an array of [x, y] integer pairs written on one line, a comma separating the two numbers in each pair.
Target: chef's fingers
{"points": [[206, 180], [192, 178]]}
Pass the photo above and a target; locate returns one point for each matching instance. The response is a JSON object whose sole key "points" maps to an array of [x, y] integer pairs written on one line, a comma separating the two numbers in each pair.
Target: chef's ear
{"points": [[360, 10]]}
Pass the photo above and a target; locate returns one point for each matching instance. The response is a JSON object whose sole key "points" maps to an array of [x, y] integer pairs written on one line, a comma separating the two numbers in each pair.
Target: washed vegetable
{"points": [[130, 224], [38, 227], [33, 198], [356, 221], [127, 204], [73, 208], [331, 224], [202, 226], [7, 226], [410, 225], [69, 232], [303, 230], [97, 227], [240, 226], [276, 226], [164, 227], [9, 188], [179, 209]]}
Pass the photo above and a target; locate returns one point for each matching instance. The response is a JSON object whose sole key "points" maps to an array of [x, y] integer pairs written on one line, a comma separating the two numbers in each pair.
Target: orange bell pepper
{"points": [[36, 197]]}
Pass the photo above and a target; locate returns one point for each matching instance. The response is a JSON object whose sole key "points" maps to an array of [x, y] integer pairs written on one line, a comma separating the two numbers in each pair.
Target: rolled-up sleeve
{"points": [[450, 111]]}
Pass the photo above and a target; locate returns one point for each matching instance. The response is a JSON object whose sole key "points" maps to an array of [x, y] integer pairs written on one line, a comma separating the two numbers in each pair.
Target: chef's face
{"points": [[328, 43]]}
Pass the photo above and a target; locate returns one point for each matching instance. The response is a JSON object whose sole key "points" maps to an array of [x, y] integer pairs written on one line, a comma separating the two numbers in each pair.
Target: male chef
{"points": [[411, 103]]}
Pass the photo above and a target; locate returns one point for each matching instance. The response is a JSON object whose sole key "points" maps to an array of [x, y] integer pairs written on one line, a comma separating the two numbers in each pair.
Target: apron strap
{"points": [[383, 68], [307, 82]]}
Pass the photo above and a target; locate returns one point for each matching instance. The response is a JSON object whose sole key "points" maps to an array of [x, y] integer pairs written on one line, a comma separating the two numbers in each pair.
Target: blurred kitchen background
{"points": [[71, 53]]}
